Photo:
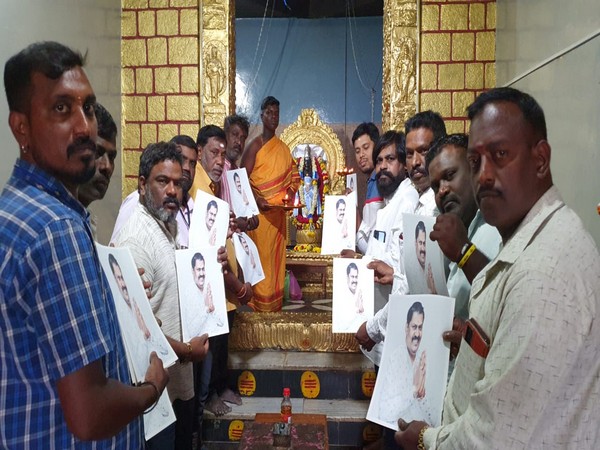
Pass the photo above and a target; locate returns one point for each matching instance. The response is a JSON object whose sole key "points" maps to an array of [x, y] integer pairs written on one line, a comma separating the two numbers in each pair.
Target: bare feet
{"points": [[216, 406], [231, 397]]}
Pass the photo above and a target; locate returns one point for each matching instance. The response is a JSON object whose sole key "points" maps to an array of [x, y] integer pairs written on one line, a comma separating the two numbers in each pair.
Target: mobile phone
{"points": [[476, 338], [379, 235]]}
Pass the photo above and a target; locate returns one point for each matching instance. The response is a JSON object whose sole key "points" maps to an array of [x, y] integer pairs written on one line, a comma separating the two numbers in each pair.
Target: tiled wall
{"points": [[457, 56], [160, 67], [160, 76]]}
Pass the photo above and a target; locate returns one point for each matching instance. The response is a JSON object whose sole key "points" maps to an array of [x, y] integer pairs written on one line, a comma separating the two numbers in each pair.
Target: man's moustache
{"points": [[171, 200], [416, 170], [384, 173], [80, 144], [488, 192], [450, 198]]}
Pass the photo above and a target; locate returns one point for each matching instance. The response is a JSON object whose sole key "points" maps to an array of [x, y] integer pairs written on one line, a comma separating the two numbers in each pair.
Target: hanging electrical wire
{"points": [[262, 25], [350, 14]]}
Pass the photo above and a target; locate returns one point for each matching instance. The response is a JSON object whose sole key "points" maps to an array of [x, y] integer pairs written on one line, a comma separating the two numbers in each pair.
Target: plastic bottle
{"points": [[286, 406]]}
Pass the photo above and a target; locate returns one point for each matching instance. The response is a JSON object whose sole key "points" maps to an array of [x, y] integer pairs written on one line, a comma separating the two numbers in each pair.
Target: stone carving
{"points": [[214, 80], [400, 62]]}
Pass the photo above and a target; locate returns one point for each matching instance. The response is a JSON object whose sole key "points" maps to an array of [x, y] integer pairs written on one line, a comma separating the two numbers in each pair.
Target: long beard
{"points": [[388, 189], [159, 212]]}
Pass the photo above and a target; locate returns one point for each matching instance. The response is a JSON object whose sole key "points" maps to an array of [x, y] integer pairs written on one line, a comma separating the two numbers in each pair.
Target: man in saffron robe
{"points": [[273, 174]]}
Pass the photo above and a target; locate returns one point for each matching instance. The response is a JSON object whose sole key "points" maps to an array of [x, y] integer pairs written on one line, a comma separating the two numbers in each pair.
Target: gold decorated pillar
{"points": [[400, 62], [217, 60]]}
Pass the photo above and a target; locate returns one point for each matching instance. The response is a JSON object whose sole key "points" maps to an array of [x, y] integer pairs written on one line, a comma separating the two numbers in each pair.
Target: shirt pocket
{"points": [[469, 370]]}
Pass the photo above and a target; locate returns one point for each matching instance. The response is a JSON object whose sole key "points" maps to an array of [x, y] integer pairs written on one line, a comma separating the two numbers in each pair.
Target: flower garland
{"points": [[306, 248], [306, 220]]}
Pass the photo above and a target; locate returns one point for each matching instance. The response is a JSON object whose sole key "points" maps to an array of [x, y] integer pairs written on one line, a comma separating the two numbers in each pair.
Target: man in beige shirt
{"points": [[537, 302]]}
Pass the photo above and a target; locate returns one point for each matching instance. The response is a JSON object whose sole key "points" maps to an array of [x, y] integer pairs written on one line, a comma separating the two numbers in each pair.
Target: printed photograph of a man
{"points": [[339, 224], [242, 200], [130, 302], [414, 364], [141, 333], [351, 186], [201, 293], [248, 258], [211, 215], [210, 221], [353, 300], [424, 262]]}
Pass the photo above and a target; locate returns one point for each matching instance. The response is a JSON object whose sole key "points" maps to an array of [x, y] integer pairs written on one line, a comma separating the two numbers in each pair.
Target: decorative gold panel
{"points": [[216, 61], [289, 331], [401, 60], [309, 129], [401, 19]]}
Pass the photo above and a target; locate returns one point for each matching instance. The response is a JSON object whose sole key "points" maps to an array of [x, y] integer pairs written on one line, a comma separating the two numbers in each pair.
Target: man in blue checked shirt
{"points": [[65, 382]]}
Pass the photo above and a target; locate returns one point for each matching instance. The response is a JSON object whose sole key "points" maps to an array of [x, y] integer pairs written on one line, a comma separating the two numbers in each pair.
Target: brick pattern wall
{"points": [[457, 56], [160, 68], [159, 80]]}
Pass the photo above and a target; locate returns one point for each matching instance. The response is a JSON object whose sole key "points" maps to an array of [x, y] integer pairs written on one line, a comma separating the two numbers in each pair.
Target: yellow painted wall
{"points": [[159, 52], [160, 67]]}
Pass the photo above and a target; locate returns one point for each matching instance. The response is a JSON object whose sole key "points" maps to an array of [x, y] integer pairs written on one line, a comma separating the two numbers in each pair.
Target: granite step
{"points": [[338, 385]]}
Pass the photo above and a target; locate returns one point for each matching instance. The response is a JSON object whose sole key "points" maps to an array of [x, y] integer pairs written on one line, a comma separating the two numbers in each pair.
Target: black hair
{"points": [[157, 153], [185, 140], [208, 131], [197, 257], [340, 201], [416, 307], [350, 267], [211, 204], [427, 119], [420, 227], [531, 110], [368, 128], [457, 140], [51, 59], [236, 175], [388, 138], [268, 101], [113, 262], [107, 128], [236, 119]]}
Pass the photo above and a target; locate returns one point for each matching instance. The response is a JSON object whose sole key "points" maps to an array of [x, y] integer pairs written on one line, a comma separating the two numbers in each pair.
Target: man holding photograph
{"points": [[61, 350], [236, 129], [528, 378], [212, 388], [151, 235], [460, 220]]}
